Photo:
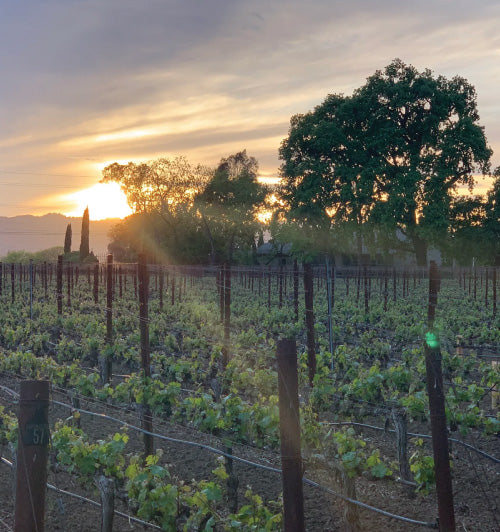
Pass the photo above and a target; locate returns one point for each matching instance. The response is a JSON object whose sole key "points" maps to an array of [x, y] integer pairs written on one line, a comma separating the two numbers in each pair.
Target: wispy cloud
{"points": [[86, 81]]}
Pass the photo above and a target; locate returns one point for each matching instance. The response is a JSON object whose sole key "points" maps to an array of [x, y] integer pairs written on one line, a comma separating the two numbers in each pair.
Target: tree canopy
{"points": [[186, 213], [392, 154], [160, 185], [229, 203]]}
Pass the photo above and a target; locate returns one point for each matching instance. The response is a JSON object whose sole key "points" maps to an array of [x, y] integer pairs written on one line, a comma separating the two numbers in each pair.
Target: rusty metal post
{"points": [[32, 454], [291, 460], [437, 411]]}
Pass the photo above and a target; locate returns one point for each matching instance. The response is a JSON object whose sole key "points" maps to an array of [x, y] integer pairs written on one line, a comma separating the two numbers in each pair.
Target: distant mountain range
{"points": [[34, 233]]}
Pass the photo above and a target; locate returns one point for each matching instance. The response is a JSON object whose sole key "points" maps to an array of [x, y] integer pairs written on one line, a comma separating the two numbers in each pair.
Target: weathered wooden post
{"points": [[494, 294], [291, 459], [295, 289], [106, 487], [96, 284], [146, 419], [68, 284], [31, 289], [32, 454], [59, 294], [105, 361], [12, 282], [161, 287], [437, 411], [401, 426], [309, 303], [227, 313]]}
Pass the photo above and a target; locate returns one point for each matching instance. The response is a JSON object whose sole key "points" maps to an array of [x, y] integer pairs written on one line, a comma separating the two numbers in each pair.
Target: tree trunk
{"points": [[420, 247]]}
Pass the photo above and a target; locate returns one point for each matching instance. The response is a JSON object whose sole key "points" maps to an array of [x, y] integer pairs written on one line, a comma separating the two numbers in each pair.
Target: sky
{"points": [[85, 83]]}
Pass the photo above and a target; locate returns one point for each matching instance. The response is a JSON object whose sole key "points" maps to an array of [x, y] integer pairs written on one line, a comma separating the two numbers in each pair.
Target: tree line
{"points": [[374, 173]]}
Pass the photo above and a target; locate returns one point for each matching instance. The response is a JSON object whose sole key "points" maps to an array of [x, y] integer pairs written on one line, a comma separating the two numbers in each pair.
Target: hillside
{"points": [[34, 233]]}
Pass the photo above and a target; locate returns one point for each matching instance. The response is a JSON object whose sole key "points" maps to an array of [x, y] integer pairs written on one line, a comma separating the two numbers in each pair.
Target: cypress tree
{"points": [[84, 243]]}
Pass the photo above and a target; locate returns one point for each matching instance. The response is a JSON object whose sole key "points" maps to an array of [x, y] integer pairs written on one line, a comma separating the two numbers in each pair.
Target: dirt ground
{"points": [[476, 481]]}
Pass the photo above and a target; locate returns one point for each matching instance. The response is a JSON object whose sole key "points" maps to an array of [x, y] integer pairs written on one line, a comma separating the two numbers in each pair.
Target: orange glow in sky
{"points": [[104, 200]]}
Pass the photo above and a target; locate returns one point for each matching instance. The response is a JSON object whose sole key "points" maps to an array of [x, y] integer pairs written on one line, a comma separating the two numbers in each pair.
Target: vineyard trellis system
{"points": [[361, 353]]}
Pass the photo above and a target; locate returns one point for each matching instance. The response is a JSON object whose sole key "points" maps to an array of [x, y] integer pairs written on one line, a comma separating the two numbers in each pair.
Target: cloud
{"points": [[86, 81]]}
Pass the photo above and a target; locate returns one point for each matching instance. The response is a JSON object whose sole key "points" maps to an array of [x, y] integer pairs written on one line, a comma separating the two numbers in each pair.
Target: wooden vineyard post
{"points": [[358, 283], [45, 280], [309, 303], [475, 283], [394, 285], [227, 313], [59, 294], [31, 289], [295, 289], [486, 287], [220, 287], [291, 460], [401, 426], [12, 282], [105, 363], [68, 285], [329, 302], [106, 487], [385, 291], [146, 420], [32, 454], [365, 279], [437, 411], [494, 294], [96, 284], [232, 481], [269, 289], [161, 286], [280, 285], [135, 283], [109, 300]]}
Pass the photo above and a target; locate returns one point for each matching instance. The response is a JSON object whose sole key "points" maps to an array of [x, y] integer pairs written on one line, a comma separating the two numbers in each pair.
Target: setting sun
{"points": [[104, 200]]}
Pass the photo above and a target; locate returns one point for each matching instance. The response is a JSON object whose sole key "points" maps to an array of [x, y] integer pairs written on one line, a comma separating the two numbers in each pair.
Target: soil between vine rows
{"points": [[474, 508]]}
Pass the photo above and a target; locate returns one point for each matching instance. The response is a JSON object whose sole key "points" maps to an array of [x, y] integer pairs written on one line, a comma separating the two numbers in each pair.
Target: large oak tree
{"points": [[392, 154]]}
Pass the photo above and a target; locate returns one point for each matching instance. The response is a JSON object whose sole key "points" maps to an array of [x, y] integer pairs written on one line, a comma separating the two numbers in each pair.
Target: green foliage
{"points": [[229, 203], [23, 257], [74, 451], [150, 493], [8, 428], [422, 467], [351, 453], [256, 516], [389, 156]]}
